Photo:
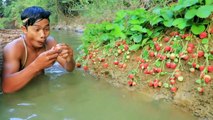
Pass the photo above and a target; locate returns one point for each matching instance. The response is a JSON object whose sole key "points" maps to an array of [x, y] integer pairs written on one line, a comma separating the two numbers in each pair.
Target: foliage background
{"points": [[66, 11]]}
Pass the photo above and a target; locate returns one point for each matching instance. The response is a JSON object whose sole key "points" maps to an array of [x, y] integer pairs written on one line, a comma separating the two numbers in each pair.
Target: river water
{"points": [[58, 95]]}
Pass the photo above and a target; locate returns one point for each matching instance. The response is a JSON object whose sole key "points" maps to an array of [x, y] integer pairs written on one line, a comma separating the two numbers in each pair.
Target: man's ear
{"points": [[24, 29]]}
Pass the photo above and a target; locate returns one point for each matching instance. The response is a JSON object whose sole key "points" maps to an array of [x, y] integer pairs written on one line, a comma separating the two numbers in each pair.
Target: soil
{"points": [[186, 97]]}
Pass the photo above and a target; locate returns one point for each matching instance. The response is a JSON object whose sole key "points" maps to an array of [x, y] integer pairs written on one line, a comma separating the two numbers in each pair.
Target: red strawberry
{"points": [[200, 53], [151, 83], [166, 39], [201, 68], [126, 47], [157, 47], [173, 65], [173, 89], [189, 50], [185, 57], [210, 68], [203, 35], [116, 62], [130, 82], [174, 33], [105, 65], [85, 68], [168, 64], [131, 76], [151, 54], [207, 78], [191, 45], [211, 30], [167, 49], [194, 65]]}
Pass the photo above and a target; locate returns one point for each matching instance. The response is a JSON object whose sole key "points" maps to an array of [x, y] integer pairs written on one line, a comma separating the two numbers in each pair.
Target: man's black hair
{"points": [[32, 14]]}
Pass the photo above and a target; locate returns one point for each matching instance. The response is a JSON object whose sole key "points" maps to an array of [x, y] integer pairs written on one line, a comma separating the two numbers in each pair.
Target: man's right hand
{"points": [[46, 59]]}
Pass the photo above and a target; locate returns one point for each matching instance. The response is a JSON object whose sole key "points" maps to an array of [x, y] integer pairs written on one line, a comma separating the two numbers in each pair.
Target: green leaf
{"points": [[145, 54], [158, 63], [134, 47], [198, 81], [136, 28], [205, 41], [167, 14], [134, 22], [210, 57], [203, 12], [180, 23], [190, 13], [137, 38], [197, 29], [208, 2], [155, 20], [168, 23], [144, 41]]}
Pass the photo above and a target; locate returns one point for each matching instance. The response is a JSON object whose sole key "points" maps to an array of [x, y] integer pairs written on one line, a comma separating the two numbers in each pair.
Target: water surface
{"points": [[59, 95]]}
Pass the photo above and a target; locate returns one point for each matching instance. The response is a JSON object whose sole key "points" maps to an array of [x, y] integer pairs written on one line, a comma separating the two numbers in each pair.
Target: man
{"points": [[35, 50]]}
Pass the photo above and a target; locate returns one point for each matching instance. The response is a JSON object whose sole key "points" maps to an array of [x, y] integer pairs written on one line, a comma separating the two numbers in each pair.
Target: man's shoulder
{"points": [[14, 46]]}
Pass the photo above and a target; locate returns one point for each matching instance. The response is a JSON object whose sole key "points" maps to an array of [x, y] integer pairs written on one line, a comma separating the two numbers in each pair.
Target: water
{"points": [[79, 96]]}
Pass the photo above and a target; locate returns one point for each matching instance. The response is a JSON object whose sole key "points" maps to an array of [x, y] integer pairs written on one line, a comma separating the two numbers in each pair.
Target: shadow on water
{"points": [[59, 95]]}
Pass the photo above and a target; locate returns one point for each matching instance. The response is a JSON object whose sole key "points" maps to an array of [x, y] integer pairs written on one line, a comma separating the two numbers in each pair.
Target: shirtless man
{"points": [[35, 50]]}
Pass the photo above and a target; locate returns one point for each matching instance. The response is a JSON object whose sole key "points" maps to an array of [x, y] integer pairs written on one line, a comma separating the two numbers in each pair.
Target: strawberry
{"points": [[167, 49], [173, 65], [172, 56], [192, 70], [157, 47], [134, 83], [168, 64], [201, 68], [180, 78], [130, 82], [191, 45], [166, 39], [155, 39], [173, 89], [207, 78], [210, 68], [85, 68], [200, 53], [105, 65], [172, 82], [78, 65], [203, 35], [151, 83], [126, 47], [151, 54], [131, 76], [116, 62], [174, 33], [185, 57], [119, 51], [194, 65], [211, 31], [189, 49], [200, 90]]}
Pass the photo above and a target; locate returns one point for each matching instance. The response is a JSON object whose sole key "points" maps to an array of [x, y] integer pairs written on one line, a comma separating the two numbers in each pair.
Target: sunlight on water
{"points": [[59, 95]]}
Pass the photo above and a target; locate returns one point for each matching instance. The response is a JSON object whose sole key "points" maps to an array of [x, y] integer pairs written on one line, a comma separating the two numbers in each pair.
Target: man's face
{"points": [[38, 33]]}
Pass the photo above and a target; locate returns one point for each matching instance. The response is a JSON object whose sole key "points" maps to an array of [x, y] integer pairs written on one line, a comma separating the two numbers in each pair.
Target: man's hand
{"points": [[47, 58], [65, 52], [65, 57]]}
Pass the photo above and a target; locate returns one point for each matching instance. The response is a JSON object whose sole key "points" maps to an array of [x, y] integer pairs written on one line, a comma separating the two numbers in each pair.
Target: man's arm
{"points": [[13, 79]]}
